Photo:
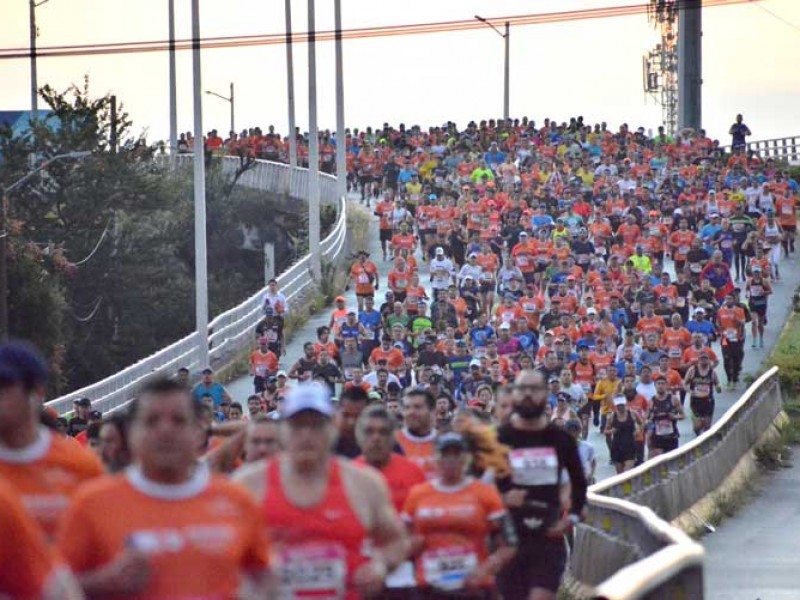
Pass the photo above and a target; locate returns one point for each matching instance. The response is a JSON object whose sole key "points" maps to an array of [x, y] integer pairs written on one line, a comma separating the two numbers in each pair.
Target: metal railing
{"points": [[626, 549], [232, 330], [787, 148]]}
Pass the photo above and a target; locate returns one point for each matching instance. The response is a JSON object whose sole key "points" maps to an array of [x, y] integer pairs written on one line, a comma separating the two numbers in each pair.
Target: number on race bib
{"points": [[317, 571], [447, 568]]}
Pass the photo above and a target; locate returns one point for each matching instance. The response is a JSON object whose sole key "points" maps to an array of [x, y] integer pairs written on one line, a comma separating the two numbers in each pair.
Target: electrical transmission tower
{"points": [[660, 65]]}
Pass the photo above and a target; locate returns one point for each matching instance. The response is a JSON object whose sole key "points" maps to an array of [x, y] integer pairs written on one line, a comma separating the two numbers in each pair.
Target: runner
{"points": [[43, 467], [30, 568], [320, 510], [622, 428], [757, 291], [157, 530], [665, 411], [701, 381], [451, 518], [540, 455], [417, 436]]}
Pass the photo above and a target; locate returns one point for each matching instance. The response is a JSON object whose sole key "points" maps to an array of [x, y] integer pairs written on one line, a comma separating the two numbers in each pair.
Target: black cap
{"points": [[451, 439], [83, 402]]}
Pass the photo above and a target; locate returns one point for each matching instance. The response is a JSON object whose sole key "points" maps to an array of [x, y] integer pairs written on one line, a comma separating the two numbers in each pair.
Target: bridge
{"points": [[629, 546]]}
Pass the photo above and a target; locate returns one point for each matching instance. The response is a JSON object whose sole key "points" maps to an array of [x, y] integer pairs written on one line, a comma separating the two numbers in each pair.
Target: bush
{"points": [[786, 357]]}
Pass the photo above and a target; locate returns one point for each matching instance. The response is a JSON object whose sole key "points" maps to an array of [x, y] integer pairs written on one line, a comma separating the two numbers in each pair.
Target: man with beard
{"points": [[539, 455]]}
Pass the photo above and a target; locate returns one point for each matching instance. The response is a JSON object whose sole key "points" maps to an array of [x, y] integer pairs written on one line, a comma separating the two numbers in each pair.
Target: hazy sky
{"points": [[592, 68]]}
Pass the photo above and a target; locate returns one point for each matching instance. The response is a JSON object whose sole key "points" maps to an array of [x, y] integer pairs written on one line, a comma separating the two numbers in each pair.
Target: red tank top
{"points": [[317, 548]]}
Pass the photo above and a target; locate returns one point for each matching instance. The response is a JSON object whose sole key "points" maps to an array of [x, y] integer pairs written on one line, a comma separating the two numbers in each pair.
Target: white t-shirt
{"points": [[274, 300], [441, 271]]}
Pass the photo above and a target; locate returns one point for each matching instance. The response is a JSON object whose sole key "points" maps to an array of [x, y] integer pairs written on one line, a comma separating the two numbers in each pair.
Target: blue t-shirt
{"points": [[705, 327], [370, 320], [215, 390]]}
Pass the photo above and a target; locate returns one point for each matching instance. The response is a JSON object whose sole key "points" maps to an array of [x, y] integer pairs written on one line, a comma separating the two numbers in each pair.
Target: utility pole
{"points": [[313, 149], [507, 82], [507, 66], [200, 254], [690, 57], [34, 81], [113, 134], [290, 86], [4, 269], [173, 93], [341, 145], [233, 117]]}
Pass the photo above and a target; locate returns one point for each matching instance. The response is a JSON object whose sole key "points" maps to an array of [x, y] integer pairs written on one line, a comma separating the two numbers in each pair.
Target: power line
{"points": [[351, 34], [777, 16]]}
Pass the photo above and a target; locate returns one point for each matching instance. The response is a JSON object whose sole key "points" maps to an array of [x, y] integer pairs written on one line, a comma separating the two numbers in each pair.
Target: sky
{"points": [[590, 68]]}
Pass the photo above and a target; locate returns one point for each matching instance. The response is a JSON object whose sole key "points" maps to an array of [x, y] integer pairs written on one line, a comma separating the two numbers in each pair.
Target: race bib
{"points": [[363, 278], [261, 371], [683, 249], [522, 261], [731, 335], [702, 389], [317, 571], [726, 244], [674, 352], [447, 568], [680, 302], [787, 210], [695, 267], [534, 466], [664, 427]]}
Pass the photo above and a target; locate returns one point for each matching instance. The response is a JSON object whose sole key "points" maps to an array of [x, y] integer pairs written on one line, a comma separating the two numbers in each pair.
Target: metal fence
{"points": [[232, 330], [626, 549], [787, 149]]}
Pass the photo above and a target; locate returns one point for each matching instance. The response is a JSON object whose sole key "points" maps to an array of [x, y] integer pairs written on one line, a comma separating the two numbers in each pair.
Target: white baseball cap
{"points": [[308, 396], [439, 250]]}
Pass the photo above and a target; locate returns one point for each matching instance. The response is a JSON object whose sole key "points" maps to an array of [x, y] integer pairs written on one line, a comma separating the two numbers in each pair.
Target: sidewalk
{"points": [[754, 555], [241, 388]]}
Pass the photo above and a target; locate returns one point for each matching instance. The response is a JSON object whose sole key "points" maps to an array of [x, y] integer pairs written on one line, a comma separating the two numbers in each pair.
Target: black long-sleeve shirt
{"points": [[538, 460]]}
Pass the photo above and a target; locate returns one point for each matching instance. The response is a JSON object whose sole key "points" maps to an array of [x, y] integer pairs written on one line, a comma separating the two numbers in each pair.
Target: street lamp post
{"points": [[4, 234], [290, 90], [230, 99], [173, 86], [200, 249], [507, 68], [313, 149], [341, 146]]}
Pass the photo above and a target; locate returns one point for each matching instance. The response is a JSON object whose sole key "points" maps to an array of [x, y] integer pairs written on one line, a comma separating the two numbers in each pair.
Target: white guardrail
{"points": [[232, 330], [787, 148], [626, 549]]}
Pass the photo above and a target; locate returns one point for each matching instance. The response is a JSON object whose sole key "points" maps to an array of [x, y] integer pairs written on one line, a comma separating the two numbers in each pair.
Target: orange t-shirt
{"points": [[395, 360], [691, 355], [400, 474], [263, 364], [28, 563], [198, 540], [454, 524], [46, 475], [364, 275], [647, 325], [419, 450], [675, 341]]}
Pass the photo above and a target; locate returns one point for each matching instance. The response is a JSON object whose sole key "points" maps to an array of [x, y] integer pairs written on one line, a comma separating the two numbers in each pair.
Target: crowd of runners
{"points": [[533, 284]]}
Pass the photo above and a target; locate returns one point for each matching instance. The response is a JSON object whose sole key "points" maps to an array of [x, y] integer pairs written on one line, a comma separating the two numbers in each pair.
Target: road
{"points": [[754, 555], [780, 305]]}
